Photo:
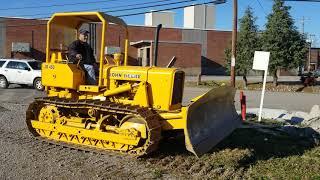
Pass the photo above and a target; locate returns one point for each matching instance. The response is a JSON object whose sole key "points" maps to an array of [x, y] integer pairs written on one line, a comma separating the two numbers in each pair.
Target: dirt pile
{"points": [[314, 120], [313, 123]]}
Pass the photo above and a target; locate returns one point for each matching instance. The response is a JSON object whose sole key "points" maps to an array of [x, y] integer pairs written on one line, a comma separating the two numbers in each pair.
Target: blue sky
{"points": [[309, 10]]}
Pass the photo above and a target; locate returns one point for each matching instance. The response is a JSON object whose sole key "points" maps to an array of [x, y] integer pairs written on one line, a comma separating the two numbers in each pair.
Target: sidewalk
{"points": [[250, 78], [290, 101]]}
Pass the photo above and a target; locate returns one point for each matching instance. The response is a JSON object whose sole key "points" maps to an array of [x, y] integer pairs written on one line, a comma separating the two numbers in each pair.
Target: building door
{"points": [[312, 67], [144, 54], [141, 55], [148, 56]]}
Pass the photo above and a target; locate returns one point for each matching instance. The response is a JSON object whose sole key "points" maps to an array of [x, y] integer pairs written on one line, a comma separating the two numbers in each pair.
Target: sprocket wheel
{"points": [[48, 114]]}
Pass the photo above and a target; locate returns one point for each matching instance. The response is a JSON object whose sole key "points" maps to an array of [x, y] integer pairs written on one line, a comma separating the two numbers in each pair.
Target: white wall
{"points": [[211, 17], [188, 17], [165, 18], [201, 16], [148, 19]]}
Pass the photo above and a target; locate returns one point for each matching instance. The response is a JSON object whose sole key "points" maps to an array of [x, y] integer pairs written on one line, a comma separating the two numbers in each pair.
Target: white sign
{"points": [[233, 61], [261, 60], [109, 50], [20, 47]]}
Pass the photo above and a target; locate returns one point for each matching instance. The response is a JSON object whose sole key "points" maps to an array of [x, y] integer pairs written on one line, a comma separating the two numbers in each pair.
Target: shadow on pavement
{"points": [[15, 86]]}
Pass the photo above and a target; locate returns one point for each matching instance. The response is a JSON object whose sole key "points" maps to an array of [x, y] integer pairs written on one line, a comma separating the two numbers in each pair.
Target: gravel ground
{"points": [[23, 157]]}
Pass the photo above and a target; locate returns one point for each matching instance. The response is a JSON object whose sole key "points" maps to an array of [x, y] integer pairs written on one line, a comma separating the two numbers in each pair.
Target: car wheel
{"points": [[37, 84], [3, 82]]}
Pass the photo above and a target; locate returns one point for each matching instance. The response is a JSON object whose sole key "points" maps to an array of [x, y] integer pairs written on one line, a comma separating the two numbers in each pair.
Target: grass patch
{"points": [[295, 167], [253, 119], [282, 87], [157, 173], [248, 153], [251, 153]]}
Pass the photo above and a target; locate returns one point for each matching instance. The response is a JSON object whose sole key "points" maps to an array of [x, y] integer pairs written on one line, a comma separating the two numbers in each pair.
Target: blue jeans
{"points": [[90, 75]]}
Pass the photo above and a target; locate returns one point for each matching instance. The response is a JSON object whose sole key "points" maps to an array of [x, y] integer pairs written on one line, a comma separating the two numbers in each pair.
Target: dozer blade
{"points": [[210, 119]]}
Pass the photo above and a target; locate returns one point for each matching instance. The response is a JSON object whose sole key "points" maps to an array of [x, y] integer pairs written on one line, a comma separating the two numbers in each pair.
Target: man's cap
{"points": [[83, 31]]}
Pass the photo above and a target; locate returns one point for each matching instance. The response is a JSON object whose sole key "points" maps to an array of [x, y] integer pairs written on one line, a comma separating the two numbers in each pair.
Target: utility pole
{"points": [[234, 42], [310, 47], [303, 20]]}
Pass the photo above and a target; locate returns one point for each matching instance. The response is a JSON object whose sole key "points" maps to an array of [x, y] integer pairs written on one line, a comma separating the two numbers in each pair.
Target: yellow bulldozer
{"points": [[130, 108]]}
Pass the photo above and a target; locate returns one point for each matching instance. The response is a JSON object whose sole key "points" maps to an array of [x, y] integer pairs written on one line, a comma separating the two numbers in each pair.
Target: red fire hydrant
{"points": [[243, 106]]}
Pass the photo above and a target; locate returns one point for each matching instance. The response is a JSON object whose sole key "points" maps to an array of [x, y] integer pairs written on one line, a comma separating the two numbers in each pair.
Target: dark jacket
{"points": [[83, 48]]}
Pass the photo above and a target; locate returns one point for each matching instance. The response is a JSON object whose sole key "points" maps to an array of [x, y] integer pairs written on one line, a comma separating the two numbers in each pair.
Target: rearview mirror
{"points": [[27, 68]]}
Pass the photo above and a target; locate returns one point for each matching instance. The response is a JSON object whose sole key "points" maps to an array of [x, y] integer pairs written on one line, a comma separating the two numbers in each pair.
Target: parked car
{"points": [[23, 72], [316, 73], [310, 78]]}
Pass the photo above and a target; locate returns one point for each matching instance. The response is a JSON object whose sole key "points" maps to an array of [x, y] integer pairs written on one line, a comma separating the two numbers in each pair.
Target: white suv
{"points": [[22, 72]]}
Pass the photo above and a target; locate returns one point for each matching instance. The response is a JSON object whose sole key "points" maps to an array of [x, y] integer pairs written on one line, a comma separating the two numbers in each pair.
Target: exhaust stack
{"points": [[156, 42]]}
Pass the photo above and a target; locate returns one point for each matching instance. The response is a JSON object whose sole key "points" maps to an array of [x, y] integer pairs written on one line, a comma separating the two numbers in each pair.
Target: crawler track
{"points": [[152, 121]]}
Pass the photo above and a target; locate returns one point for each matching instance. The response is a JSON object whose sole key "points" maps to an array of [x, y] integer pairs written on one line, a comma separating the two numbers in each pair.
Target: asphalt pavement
{"points": [[291, 101], [250, 78]]}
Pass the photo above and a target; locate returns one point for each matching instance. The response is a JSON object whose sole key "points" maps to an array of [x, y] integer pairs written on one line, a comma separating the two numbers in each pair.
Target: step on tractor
{"points": [[130, 108]]}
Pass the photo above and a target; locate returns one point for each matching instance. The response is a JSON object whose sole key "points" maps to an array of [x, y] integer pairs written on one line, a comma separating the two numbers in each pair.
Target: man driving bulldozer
{"points": [[80, 51]]}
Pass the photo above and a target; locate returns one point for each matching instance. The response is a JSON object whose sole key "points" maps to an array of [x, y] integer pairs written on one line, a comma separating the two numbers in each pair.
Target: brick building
{"points": [[16, 30], [313, 60], [195, 50]]}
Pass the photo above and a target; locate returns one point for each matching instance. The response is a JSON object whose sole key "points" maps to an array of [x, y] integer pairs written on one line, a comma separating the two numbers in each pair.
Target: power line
{"points": [[134, 14], [95, 9], [301, 0], [304, 0], [261, 7], [214, 2], [303, 20], [56, 5], [126, 9], [179, 2]]}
